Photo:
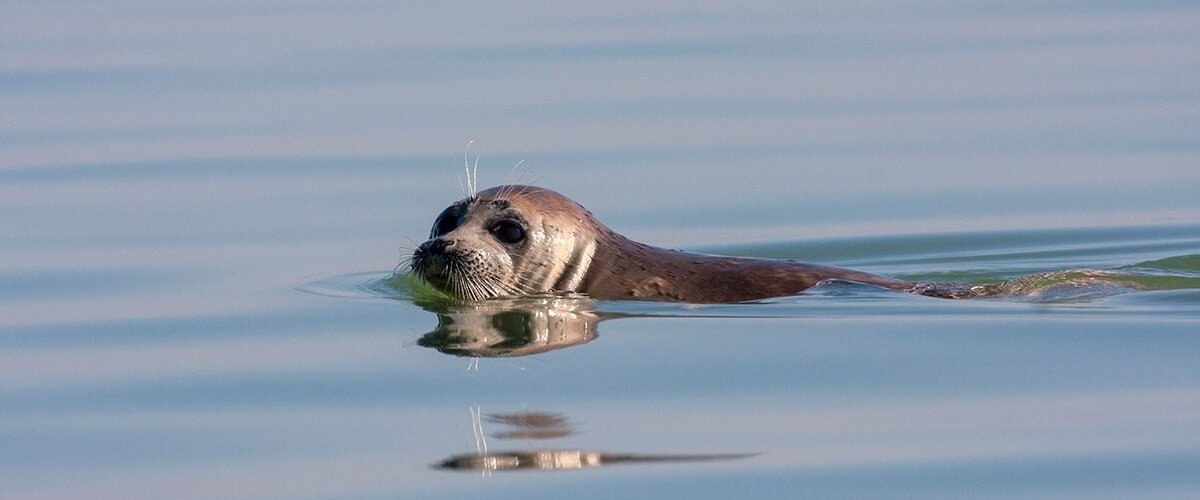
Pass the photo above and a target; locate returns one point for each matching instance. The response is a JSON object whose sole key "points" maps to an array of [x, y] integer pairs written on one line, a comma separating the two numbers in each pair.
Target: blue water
{"points": [[201, 208]]}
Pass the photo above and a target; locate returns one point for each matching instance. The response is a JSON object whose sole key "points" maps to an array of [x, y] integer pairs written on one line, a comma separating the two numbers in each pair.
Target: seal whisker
{"points": [[535, 182], [524, 190], [467, 288], [475, 177], [495, 287], [406, 256], [522, 177], [405, 263], [507, 190], [458, 178], [477, 286], [462, 290], [470, 188]]}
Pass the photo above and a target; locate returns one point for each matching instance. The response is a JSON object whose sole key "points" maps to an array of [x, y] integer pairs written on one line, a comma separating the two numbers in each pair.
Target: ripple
{"points": [[359, 285]]}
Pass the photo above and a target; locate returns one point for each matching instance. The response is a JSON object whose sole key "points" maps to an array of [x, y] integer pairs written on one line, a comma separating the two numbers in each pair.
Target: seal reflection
{"points": [[540, 426], [511, 328]]}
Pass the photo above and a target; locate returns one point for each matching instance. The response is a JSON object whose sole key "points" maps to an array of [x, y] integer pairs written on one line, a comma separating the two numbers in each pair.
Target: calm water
{"points": [[201, 208]]}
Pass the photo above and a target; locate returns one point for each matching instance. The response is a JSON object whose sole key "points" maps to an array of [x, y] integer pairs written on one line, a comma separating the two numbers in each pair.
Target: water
{"points": [[201, 207]]}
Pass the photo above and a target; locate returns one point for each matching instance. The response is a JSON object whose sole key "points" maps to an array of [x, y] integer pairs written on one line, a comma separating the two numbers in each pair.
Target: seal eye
{"points": [[508, 232]]}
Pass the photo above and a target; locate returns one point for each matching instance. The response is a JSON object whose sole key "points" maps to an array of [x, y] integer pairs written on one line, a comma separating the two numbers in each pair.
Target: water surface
{"points": [[201, 207]]}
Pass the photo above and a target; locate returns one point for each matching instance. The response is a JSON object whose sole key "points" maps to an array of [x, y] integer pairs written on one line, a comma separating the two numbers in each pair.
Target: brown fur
{"points": [[621, 268]]}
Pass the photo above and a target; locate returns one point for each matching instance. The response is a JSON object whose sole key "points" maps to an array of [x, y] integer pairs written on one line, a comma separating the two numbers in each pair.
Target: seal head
{"points": [[508, 241]]}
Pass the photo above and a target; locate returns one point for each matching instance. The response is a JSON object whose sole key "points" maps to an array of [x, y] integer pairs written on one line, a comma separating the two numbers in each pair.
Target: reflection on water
{"points": [[539, 425], [567, 460], [532, 425], [506, 328]]}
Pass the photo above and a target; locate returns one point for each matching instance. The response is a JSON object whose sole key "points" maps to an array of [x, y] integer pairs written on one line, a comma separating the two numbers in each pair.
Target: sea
{"points": [[205, 209]]}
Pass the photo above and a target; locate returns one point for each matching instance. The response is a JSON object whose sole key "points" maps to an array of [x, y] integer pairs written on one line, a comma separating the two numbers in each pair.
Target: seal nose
{"points": [[439, 245]]}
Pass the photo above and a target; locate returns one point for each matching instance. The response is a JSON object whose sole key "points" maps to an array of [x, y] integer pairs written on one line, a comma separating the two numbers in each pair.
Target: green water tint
{"points": [[1059, 285], [405, 285], [1186, 263], [1068, 284]]}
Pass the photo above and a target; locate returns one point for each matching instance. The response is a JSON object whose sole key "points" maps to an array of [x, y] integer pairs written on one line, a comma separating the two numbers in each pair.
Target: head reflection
{"points": [[509, 328], [540, 426]]}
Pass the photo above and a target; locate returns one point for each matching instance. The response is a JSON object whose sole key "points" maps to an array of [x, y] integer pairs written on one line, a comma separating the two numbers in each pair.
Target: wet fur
{"points": [[570, 251]]}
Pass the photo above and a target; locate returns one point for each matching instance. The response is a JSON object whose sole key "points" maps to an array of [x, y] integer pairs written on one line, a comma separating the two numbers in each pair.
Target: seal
{"points": [[516, 240]]}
